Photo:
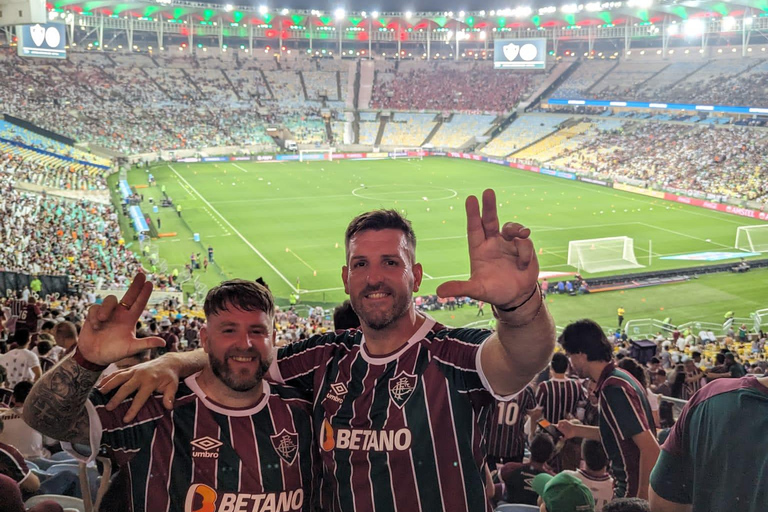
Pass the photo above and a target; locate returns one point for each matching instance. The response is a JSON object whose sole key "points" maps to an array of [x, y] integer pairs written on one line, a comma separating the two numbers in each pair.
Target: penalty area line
{"points": [[234, 230]]}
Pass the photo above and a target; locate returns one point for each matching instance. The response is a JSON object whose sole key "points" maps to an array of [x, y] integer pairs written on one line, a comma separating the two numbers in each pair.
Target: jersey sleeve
{"points": [[541, 393], [296, 363], [671, 477], [12, 464], [624, 411], [108, 431]]}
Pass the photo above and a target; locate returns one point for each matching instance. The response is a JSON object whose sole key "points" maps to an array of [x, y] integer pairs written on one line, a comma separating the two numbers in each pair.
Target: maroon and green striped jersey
{"points": [[559, 398], [714, 458], [624, 413], [506, 427], [205, 457], [401, 432]]}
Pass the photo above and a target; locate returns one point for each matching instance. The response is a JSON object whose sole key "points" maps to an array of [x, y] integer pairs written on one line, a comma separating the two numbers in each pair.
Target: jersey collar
{"points": [[419, 335], [191, 382]]}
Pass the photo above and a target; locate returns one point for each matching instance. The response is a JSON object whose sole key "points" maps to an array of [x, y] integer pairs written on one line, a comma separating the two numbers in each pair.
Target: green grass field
{"points": [[286, 222]]}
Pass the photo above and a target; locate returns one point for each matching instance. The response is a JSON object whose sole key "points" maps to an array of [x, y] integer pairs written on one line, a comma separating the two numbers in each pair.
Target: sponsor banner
{"points": [[188, 160], [711, 256], [397, 154], [727, 208], [558, 174], [454, 154], [377, 156], [638, 190], [496, 161], [438, 153], [156, 298], [215, 159], [287, 157], [350, 155], [240, 159], [594, 181], [525, 167], [265, 158]]}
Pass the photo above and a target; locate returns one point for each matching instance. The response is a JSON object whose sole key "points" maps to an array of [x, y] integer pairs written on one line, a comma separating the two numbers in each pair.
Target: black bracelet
{"points": [[513, 308]]}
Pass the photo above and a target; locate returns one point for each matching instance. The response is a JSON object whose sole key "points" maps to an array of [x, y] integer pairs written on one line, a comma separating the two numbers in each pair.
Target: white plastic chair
{"points": [[68, 503]]}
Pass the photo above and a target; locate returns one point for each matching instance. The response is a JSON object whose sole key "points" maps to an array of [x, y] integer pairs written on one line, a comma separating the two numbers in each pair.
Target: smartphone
{"points": [[551, 429]]}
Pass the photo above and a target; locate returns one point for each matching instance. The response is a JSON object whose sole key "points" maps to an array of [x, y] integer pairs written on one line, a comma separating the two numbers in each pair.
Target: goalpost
{"points": [[318, 152], [603, 254], [404, 152], [752, 238]]}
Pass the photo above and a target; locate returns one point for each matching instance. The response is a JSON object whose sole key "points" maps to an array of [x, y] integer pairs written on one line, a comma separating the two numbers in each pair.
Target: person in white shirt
{"points": [[21, 364], [594, 473]]}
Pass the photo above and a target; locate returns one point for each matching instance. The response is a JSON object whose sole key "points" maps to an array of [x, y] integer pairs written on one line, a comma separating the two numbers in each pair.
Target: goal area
{"points": [[752, 238], [316, 154], [603, 254]]}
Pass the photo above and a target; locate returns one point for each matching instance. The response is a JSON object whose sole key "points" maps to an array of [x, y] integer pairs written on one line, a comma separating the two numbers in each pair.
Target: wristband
{"points": [[88, 365], [513, 308]]}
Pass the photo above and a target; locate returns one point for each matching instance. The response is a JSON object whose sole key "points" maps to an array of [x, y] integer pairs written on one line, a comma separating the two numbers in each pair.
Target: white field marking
{"points": [[538, 230], [188, 191], [427, 275], [234, 230], [301, 260], [239, 167], [277, 199], [394, 192], [685, 235]]}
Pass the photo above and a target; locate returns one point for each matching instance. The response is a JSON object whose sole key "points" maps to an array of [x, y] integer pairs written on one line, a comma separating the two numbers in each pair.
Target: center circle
{"points": [[392, 193]]}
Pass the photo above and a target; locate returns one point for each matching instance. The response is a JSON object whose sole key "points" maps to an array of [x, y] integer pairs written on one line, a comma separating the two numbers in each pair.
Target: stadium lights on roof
{"points": [[673, 29], [570, 8], [228, 8], [547, 10], [375, 14], [263, 9], [339, 14], [408, 15], [694, 27], [461, 14], [748, 21], [284, 12], [593, 6], [640, 4], [728, 23]]}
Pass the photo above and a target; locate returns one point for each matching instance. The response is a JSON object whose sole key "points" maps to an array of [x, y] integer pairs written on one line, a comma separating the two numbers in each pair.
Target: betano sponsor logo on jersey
{"points": [[360, 439], [206, 447], [201, 498]]}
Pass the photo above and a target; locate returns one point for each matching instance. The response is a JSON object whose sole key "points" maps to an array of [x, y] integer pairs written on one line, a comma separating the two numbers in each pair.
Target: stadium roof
{"points": [[520, 17]]}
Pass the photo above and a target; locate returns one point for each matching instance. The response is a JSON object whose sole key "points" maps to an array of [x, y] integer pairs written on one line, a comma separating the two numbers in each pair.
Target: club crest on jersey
{"points": [[511, 50], [286, 445], [401, 388]]}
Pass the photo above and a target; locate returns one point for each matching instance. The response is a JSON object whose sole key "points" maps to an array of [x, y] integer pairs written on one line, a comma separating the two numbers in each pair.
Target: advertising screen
{"points": [[47, 40], [519, 54]]}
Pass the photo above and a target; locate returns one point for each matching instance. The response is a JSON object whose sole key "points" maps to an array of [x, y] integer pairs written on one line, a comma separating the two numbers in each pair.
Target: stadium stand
{"points": [[460, 129], [522, 132]]}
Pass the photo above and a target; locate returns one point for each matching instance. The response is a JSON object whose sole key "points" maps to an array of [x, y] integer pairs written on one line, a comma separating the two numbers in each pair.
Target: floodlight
{"points": [[461, 14], [375, 14], [640, 4], [673, 30], [593, 6], [284, 12], [748, 21], [728, 23], [228, 8], [522, 12], [408, 15], [263, 9], [339, 13], [694, 27]]}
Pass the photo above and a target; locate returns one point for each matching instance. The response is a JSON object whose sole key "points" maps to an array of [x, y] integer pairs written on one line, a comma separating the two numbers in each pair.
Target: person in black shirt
{"points": [[517, 476]]}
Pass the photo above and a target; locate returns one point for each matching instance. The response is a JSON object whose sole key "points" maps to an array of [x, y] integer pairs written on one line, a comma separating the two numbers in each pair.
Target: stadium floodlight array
{"points": [[303, 154], [602, 254], [752, 238]]}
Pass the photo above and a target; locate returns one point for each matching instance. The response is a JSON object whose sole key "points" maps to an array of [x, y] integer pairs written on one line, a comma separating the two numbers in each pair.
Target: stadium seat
{"points": [[68, 503], [516, 507]]}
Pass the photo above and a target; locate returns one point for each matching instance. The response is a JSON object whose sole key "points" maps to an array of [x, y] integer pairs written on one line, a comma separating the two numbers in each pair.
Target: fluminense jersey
{"points": [[402, 432], [559, 398], [506, 435], [204, 457]]}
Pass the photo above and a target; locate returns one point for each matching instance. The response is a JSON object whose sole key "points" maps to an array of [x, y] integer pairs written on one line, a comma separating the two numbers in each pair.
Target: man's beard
{"points": [[377, 318], [226, 375]]}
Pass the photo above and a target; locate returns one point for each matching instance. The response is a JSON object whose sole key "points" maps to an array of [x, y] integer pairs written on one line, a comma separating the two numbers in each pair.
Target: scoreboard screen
{"points": [[519, 54], [47, 40]]}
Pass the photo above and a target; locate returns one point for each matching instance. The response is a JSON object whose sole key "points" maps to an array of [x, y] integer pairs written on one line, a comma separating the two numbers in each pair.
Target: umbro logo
{"points": [[337, 392], [206, 444]]}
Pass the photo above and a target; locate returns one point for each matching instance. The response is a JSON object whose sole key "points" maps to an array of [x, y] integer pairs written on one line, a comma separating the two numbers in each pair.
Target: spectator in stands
{"points": [[595, 474], [13, 502], [171, 340], [517, 476], [678, 382], [706, 463], [21, 364], [44, 349], [65, 335], [20, 435], [563, 493], [694, 379], [733, 369], [627, 505], [626, 423], [559, 397], [632, 367], [344, 317], [661, 384], [6, 394]]}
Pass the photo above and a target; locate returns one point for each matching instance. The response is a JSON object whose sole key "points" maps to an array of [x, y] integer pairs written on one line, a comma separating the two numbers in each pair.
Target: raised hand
{"points": [[109, 331], [503, 263]]}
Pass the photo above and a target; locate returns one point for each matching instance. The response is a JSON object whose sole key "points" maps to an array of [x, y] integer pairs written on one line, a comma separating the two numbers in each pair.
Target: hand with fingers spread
{"points": [[503, 264], [109, 331]]}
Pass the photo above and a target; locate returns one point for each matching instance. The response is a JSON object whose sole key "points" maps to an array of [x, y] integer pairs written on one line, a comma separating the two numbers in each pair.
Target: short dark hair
{"points": [[344, 317], [47, 325], [593, 453], [21, 391], [21, 337], [241, 294], [719, 358], [65, 330], [559, 362], [655, 360], [3, 374], [634, 369], [542, 448], [43, 347], [627, 505], [377, 220], [730, 357], [586, 337], [695, 353]]}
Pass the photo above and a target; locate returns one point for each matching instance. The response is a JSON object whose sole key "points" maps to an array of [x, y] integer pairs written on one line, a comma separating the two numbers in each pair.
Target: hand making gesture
{"points": [[109, 331], [503, 264]]}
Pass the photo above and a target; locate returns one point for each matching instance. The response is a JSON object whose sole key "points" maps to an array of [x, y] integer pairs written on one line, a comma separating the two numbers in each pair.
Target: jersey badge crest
{"points": [[286, 445], [401, 388]]}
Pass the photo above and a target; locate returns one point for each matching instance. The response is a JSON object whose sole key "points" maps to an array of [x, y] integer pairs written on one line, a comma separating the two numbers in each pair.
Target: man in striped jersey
{"points": [[400, 405], [559, 397], [231, 441], [506, 428], [626, 423]]}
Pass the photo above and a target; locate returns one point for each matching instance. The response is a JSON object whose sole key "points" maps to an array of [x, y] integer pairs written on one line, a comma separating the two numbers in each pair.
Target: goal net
{"points": [[408, 153], [752, 238], [316, 154], [602, 254]]}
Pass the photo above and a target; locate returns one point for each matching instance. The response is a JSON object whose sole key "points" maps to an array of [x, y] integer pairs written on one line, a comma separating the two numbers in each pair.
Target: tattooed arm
{"points": [[56, 404]]}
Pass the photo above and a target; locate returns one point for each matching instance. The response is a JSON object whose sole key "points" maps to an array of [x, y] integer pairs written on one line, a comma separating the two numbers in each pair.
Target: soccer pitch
{"points": [[285, 221]]}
